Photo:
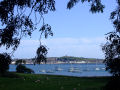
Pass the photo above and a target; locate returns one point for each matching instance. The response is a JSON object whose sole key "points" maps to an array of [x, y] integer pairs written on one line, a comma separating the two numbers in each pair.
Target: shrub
{"points": [[23, 69]]}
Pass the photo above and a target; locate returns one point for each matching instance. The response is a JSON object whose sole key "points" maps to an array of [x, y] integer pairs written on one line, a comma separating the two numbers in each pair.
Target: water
{"points": [[68, 69]]}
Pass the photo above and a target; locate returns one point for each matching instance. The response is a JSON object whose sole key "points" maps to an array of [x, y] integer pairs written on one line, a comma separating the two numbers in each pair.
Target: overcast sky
{"points": [[77, 32]]}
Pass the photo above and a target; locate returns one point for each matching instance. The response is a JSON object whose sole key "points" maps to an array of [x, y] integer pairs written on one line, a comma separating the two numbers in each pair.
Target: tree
{"points": [[112, 46], [23, 69], [41, 54], [5, 60], [112, 53], [96, 5], [17, 23]]}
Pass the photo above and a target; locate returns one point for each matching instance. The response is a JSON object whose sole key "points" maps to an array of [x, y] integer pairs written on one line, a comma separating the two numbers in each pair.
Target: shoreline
{"points": [[57, 63], [74, 76]]}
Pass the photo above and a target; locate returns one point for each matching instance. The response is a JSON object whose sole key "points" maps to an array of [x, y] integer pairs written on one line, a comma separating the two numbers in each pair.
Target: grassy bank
{"points": [[51, 82]]}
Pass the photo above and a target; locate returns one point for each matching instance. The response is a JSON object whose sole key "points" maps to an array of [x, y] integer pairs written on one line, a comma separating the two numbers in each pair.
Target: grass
{"points": [[52, 82]]}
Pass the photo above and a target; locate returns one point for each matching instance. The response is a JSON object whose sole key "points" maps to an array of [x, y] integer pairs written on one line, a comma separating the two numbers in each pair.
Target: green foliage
{"points": [[112, 46], [71, 58], [17, 22], [115, 17], [46, 29], [71, 3], [41, 54], [5, 60], [23, 69], [96, 5], [112, 53]]}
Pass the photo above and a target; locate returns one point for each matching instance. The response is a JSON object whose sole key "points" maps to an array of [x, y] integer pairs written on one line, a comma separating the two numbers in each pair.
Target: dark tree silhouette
{"points": [[5, 60], [96, 5], [112, 51], [41, 54], [17, 22], [112, 46], [23, 69]]}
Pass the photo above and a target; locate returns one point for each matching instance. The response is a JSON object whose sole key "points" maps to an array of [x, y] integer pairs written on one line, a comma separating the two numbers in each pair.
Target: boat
{"points": [[50, 71], [74, 70], [71, 69], [102, 69], [42, 71], [97, 69], [58, 69], [86, 68], [77, 71]]}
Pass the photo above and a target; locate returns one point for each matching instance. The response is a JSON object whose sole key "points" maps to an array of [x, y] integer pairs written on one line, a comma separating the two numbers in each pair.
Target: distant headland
{"points": [[63, 60]]}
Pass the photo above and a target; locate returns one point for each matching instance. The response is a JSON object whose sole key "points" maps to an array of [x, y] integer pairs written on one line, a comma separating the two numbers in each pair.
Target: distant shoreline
{"points": [[63, 60], [61, 63]]}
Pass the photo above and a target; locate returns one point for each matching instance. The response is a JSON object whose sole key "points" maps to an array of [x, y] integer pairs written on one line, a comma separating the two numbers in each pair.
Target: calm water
{"points": [[68, 69]]}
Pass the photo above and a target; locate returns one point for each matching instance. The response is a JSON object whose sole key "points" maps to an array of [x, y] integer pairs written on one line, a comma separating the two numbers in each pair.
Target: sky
{"points": [[77, 32]]}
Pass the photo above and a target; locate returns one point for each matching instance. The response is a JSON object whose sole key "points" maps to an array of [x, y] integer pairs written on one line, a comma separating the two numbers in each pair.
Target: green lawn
{"points": [[51, 82]]}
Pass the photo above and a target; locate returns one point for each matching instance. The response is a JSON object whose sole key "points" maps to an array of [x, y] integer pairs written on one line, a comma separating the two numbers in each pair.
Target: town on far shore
{"points": [[62, 60]]}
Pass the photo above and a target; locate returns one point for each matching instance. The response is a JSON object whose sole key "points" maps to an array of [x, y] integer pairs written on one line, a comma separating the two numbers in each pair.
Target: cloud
{"points": [[85, 47], [74, 41]]}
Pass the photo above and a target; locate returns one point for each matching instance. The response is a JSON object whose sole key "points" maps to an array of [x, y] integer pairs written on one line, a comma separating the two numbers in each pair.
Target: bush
{"points": [[5, 60], [23, 69]]}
